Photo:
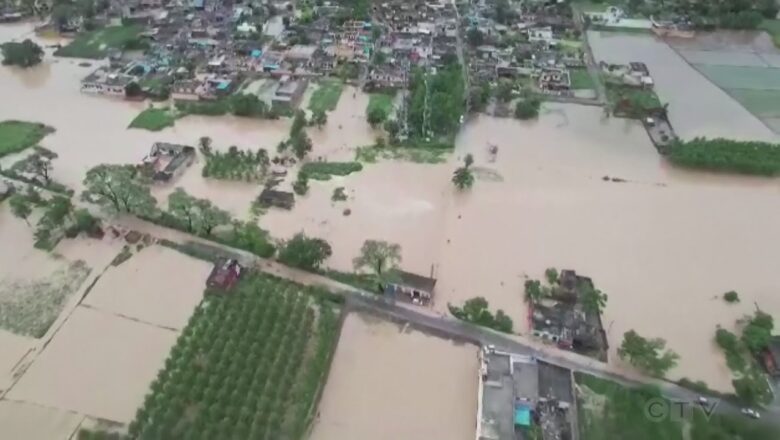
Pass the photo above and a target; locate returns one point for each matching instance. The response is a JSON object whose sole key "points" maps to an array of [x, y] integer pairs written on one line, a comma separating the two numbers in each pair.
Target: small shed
{"points": [[771, 357], [415, 288], [224, 275], [279, 199]]}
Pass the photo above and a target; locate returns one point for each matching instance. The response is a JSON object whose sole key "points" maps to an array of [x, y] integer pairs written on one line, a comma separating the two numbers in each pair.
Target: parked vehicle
{"points": [[753, 414]]}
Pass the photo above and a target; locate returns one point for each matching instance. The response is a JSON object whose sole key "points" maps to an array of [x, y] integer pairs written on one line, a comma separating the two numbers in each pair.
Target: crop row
{"points": [[247, 366]]}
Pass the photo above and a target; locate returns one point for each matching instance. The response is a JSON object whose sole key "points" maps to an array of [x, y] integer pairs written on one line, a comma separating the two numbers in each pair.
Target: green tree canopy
{"points": [[379, 257], [648, 355], [24, 54], [758, 332], [119, 188], [20, 207], [304, 252]]}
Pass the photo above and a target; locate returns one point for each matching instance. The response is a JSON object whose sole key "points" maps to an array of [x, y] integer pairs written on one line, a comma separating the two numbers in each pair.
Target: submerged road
{"points": [[443, 325]]}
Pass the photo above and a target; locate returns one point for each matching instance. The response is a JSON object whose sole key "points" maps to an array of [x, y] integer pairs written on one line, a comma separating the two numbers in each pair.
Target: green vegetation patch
{"points": [[30, 308], [745, 157], [249, 364], [380, 102], [97, 43], [631, 102], [372, 154], [581, 79], [326, 97], [324, 170], [609, 410], [742, 77], [772, 27], [236, 164], [206, 108], [16, 136], [154, 119]]}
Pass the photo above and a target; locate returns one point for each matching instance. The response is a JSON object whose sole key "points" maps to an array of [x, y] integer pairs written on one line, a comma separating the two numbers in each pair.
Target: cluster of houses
{"points": [[540, 43]]}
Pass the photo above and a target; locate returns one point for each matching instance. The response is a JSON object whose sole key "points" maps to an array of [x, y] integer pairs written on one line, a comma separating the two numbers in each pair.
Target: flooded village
{"points": [[357, 219]]}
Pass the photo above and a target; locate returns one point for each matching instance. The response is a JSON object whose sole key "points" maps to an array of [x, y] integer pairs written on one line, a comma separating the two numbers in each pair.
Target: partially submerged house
{"points": [[166, 161], [224, 275], [105, 82], [771, 357], [279, 199], [288, 94], [411, 287]]}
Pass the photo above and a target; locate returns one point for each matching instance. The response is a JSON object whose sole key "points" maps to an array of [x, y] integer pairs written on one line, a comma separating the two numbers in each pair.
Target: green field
{"points": [[371, 154], [324, 170], [326, 97], [742, 77], [96, 44], [382, 101], [16, 136], [154, 119], [249, 364], [581, 79], [762, 103], [611, 411]]}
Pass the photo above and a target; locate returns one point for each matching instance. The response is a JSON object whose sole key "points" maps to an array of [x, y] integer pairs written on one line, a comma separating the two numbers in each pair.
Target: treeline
{"points": [[235, 164], [243, 105], [436, 102], [475, 310], [731, 14], [746, 157]]}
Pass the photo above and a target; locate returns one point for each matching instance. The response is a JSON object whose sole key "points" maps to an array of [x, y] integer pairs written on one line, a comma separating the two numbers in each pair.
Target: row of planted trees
{"points": [[248, 365], [234, 164]]}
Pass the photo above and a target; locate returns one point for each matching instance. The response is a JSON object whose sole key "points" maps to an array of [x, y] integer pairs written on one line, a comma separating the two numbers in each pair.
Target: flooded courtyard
{"points": [[664, 245]]}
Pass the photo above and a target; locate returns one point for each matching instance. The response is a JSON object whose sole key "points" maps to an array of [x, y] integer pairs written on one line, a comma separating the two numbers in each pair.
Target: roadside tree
{"points": [[119, 188], [380, 257], [648, 355], [304, 252]]}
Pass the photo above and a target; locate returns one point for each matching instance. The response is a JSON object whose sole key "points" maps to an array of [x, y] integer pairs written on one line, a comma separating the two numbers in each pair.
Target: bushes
{"points": [[475, 310], [528, 108], [747, 157], [236, 164], [323, 170], [304, 252], [731, 297], [250, 364]]}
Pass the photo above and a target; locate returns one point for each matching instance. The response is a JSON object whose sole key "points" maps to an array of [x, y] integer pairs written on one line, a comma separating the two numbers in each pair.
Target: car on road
{"points": [[753, 414]]}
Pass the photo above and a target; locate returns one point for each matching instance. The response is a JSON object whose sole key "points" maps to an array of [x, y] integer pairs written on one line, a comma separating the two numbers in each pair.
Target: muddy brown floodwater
{"points": [[663, 246]]}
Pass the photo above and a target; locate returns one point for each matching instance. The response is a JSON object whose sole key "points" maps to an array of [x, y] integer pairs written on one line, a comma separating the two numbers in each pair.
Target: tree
{"points": [[24, 54], [38, 164], [204, 144], [552, 275], [57, 210], [593, 300], [319, 118], [304, 252], [210, 216], [182, 207], [120, 188], [533, 291], [474, 37], [392, 127], [527, 108], [133, 89], [301, 184], [505, 89], [247, 105], [758, 332], [647, 355], [503, 322], [731, 297], [376, 116], [299, 123], [463, 178], [20, 207], [301, 144], [380, 257]]}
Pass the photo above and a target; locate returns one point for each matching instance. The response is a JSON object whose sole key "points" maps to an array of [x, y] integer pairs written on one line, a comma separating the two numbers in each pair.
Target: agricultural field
{"points": [[96, 44], [154, 119], [326, 97], [388, 382], [15, 136], [28, 308], [609, 410], [580, 79], [248, 365], [381, 101]]}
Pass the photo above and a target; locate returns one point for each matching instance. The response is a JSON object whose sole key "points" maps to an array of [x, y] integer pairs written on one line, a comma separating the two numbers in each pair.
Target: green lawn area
{"points": [[373, 154], [380, 100], [15, 136], [326, 97], [154, 119], [580, 79], [96, 44], [609, 410], [773, 28]]}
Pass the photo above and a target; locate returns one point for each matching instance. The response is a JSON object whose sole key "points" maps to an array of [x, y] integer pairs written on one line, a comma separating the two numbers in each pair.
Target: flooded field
{"points": [[28, 421], [697, 107], [390, 383]]}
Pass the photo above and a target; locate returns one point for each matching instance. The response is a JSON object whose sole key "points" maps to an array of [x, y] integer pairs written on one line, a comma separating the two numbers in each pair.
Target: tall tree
{"points": [[593, 300], [304, 252], [38, 164], [649, 355], [120, 188], [210, 216], [182, 207], [20, 207], [758, 332], [301, 144], [380, 257], [24, 54], [319, 118], [463, 178]]}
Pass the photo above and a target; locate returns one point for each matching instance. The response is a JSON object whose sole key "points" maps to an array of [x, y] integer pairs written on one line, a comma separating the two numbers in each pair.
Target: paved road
{"points": [[449, 327]]}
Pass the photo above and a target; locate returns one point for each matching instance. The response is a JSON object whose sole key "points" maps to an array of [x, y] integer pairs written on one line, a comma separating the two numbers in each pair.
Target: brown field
{"points": [[32, 422], [389, 383]]}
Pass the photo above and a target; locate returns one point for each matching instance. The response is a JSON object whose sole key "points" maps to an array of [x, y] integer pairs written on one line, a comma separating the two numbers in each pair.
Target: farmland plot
{"points": [[248, 365]]}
